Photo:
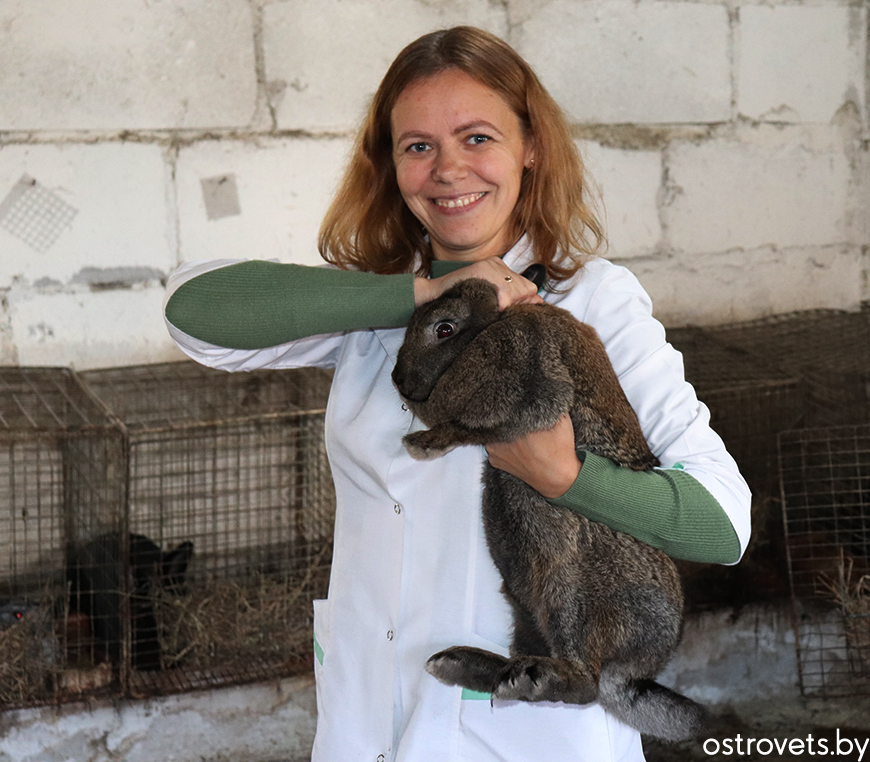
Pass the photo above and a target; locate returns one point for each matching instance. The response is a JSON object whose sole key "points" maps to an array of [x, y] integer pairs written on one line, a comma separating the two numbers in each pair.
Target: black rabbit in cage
{"points": [[94, 574]]}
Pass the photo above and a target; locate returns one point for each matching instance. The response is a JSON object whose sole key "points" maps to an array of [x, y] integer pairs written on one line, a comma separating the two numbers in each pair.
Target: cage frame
{"points": [[819, 617], [126, 681]]}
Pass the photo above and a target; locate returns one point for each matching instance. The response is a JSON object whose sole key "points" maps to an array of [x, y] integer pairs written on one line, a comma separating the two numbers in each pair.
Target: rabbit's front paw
{"points": [[426, 445]]}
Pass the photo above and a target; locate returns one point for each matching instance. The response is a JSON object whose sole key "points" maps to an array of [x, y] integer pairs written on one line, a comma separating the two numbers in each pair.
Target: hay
{"points": [[29, 655], [222, 629], [257, 620], [852, 596]]}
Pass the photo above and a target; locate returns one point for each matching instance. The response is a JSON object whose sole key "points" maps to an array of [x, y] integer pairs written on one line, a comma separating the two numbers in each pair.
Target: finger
{"points": [[516, 290], [493, 449], [511, 287], [533, 299], [495, 461]]}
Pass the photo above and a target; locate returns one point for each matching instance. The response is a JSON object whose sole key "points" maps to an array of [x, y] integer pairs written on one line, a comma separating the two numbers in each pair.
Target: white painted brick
{"points": [[123, 223], [90, 330], [742, 285], [325, 58], [629, 183], [284, 189], [800, 63], [104, 64], [611, 61], [728, 194]]}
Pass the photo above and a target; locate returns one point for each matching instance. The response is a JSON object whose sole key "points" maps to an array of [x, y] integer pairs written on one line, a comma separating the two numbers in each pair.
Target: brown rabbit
{"points": [[597, 613]]}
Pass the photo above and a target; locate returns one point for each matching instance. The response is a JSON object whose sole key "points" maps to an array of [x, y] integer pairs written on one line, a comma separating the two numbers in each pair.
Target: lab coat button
{"points": [[389, 634], [404, 406], [381, 758], [397, 508]]}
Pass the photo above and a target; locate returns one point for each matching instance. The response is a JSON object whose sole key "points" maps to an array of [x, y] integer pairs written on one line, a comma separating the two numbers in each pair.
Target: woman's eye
{"points": [[478, 140], [444, 330], [417, 147]]}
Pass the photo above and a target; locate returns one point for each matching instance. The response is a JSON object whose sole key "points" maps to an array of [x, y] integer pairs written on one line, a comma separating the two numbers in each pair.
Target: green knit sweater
{"points": [[253, 305]]}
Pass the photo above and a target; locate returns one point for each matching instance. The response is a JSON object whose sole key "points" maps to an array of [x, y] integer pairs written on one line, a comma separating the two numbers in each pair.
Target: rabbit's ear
{"points": [[175, 564], [479, 292]]}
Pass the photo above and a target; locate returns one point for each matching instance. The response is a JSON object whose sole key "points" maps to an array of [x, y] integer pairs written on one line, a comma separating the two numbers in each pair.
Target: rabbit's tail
{"points": [[651, 708]]}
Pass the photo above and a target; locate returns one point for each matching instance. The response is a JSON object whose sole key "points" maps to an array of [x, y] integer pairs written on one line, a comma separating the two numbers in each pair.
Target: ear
{"points": [[175, 562], [529, 156], [477, 291]]}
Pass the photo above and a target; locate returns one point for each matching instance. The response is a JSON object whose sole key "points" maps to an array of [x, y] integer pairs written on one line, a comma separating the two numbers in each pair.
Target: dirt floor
{"points": [[795, 729]]}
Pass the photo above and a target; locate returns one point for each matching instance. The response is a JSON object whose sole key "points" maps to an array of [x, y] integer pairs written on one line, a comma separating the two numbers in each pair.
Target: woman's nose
{"points": [[448, 166]]}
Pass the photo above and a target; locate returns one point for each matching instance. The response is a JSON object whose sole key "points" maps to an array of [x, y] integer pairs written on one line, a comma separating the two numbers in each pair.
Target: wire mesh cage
{"points": [[62, 479], [162, 528], [827, 349], [760, 378], [230, 519], [751, 400], [826, 499]]}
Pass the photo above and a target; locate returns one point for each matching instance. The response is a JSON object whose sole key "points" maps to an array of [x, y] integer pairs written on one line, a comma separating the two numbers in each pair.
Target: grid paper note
{"points": [[34, 214]]}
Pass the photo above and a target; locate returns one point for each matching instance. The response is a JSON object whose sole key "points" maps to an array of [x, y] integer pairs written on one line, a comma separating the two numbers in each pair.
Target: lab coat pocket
{"points": [[321, 651], [485, 733], [517, 731]]}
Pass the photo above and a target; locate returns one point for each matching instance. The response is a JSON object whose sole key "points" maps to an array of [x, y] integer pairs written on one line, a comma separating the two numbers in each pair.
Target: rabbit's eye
{"points": [[444, 330]]}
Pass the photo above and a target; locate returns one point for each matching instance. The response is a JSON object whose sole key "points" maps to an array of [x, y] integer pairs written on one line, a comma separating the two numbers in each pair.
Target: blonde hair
{"points": [[369, 227]]}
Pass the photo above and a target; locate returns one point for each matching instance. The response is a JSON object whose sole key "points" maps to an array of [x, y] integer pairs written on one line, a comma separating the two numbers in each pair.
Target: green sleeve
{"points": [[256, 304], [666, 508]]}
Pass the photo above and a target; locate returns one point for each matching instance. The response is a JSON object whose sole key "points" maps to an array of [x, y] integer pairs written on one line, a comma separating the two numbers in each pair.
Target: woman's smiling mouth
{"points": [[453, 203]]}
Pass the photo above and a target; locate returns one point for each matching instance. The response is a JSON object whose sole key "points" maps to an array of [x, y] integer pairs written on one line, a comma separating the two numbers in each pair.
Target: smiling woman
{"points": [[464, 168], [370, 225], [460, 153]]}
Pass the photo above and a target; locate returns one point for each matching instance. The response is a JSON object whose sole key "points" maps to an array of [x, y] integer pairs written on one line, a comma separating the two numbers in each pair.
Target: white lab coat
{"points": [[411, 573]]}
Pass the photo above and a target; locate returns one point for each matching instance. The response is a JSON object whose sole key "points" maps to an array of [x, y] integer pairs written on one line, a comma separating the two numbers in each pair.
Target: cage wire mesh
{"points": [[751, 399], [826, 494], [230, 520], [62, 479], [162, 528], [790, 396], [828, 350], [823, 464], [165, 527]]}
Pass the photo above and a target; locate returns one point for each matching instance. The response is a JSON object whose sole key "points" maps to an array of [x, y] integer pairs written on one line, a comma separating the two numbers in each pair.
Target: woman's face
{"points": [[459, 152]]}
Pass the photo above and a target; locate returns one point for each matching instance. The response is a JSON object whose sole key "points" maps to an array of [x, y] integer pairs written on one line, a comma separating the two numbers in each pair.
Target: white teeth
{"points": [[452, 203]]}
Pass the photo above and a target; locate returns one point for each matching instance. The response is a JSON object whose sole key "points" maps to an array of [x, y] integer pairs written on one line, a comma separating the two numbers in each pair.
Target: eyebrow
{"points": [[459, 130], [475, 125]]}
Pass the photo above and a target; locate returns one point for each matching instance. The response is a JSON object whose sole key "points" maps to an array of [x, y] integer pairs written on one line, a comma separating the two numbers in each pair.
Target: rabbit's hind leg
{"points": [[545, 678], [548, 668], [469, 667]]}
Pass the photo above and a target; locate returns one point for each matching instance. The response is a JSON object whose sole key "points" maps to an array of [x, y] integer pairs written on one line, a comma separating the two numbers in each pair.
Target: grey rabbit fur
{"points": [[597, 613]]}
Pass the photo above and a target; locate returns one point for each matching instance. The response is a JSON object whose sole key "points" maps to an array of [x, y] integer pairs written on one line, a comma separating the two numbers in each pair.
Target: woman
{"points": [[464, 168]]}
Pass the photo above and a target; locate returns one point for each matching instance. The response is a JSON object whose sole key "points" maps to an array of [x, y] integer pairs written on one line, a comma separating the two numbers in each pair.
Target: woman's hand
{"points": [[512, 288], [545, 460]]}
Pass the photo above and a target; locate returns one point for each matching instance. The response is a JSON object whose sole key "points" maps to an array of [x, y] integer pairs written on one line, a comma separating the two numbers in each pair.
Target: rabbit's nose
{"points": [[409, 385], [398, 378]]}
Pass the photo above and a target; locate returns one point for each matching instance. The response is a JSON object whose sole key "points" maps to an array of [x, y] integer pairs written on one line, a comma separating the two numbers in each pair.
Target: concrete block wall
{"points": [[728, 140]]}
